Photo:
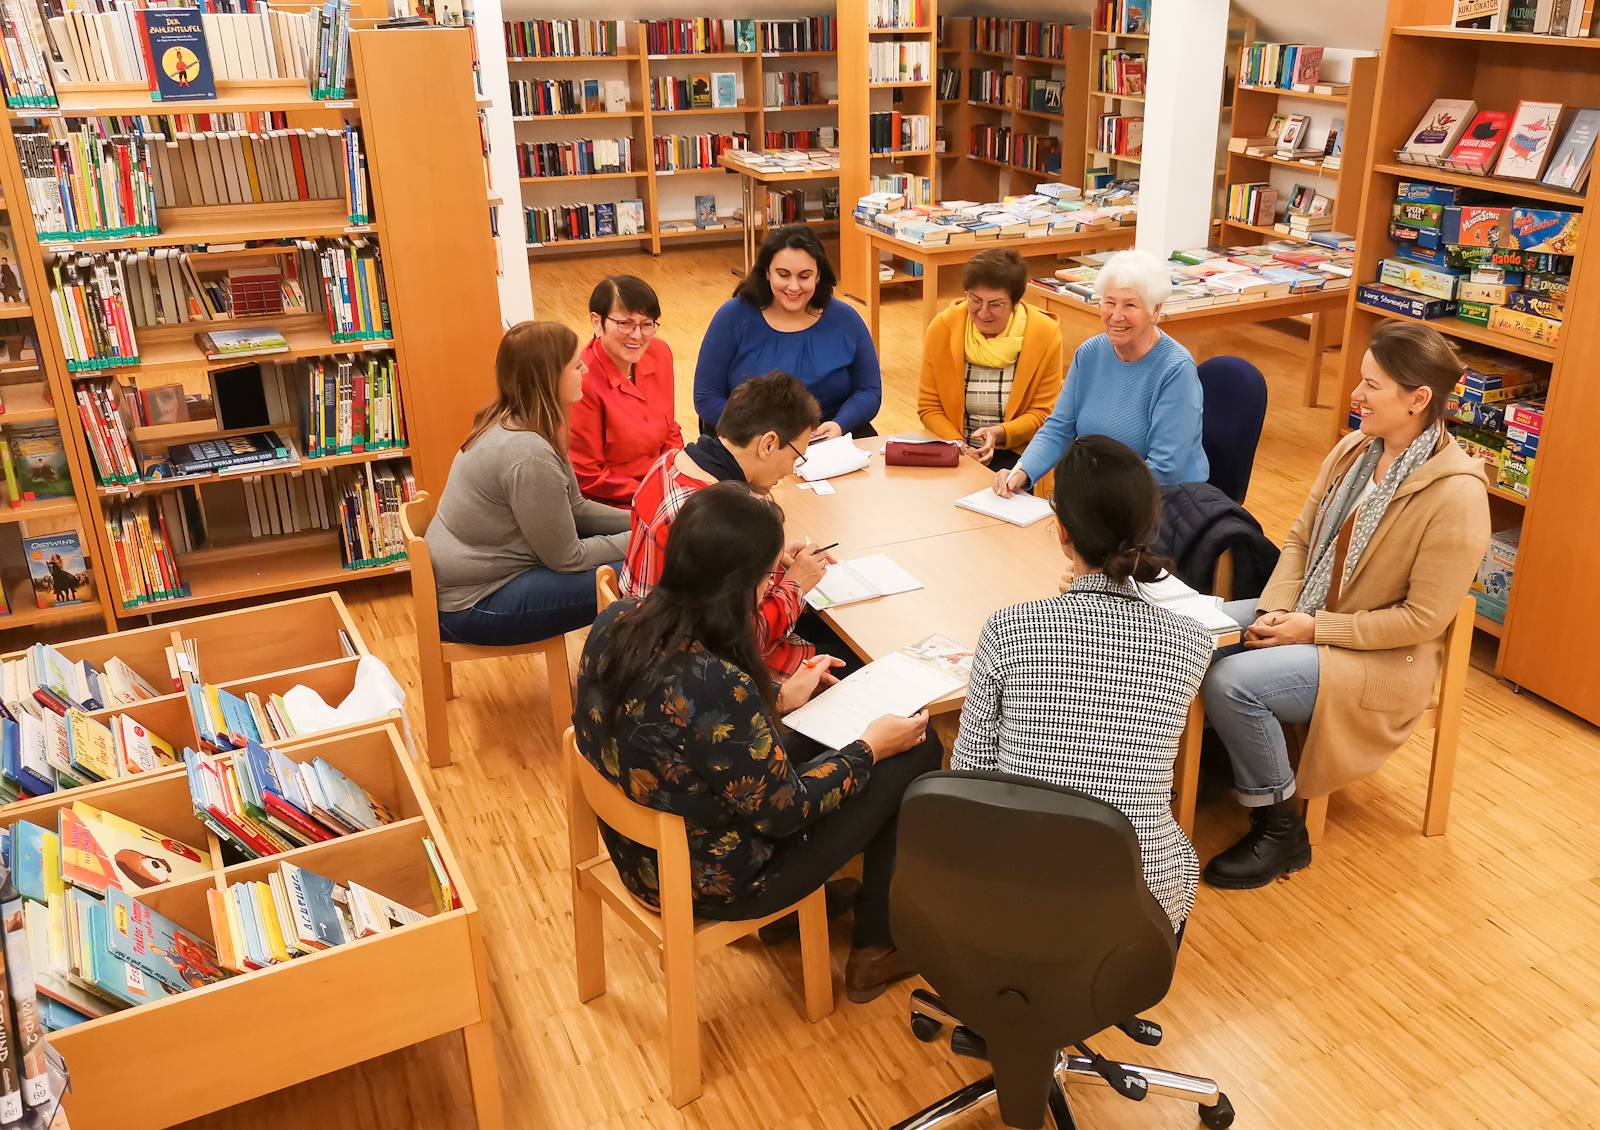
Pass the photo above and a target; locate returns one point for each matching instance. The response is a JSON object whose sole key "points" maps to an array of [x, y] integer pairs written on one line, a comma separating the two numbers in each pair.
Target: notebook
{"points": [[895, 684], [865, 578], [831, 458], [1172, 594], [1019, 509]]}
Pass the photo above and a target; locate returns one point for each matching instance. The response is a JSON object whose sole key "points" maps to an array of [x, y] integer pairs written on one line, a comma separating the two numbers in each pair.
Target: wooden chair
{"points": [[674, 931], [606, 590], [434, 656], [1443, 717]]}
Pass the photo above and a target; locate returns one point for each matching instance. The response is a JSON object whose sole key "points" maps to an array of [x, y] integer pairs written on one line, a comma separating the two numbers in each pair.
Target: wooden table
{"points": [[931, 258], [970, 566], [1322, 305], [749, 180]]}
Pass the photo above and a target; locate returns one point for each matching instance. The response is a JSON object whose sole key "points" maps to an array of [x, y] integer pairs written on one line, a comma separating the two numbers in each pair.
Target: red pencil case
{"points": [[939, 453]]}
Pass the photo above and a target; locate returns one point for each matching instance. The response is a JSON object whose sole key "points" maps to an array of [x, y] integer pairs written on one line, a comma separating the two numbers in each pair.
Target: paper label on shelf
{"points": [[338, 105], [371, 345], [359, 228], [665, 172]]}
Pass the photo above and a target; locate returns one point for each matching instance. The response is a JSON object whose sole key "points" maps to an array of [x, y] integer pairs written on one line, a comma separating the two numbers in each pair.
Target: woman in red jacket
{"points": [[626, 419]]}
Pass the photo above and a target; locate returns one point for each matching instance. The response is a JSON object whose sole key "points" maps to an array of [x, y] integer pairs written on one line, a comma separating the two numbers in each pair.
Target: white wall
{"points": [[516, 293]]}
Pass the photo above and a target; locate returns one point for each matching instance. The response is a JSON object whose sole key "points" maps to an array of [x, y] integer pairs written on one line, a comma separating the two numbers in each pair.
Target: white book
{"points": [[1172, 594], [212, 30], [250, 505], [373, 914], [896, 684], [831, 458], [865, 578], [1020, 509]]}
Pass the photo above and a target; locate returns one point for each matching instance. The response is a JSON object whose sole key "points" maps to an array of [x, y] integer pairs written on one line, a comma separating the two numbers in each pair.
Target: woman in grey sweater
{"points": [[514, 544]]}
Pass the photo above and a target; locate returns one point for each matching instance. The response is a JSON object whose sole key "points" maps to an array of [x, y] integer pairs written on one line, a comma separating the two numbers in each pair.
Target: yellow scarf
{"points": [[1001, 351]]}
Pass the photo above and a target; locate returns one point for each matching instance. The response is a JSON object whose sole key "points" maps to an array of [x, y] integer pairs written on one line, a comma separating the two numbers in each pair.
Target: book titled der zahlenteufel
{"points": [[182, 64]]}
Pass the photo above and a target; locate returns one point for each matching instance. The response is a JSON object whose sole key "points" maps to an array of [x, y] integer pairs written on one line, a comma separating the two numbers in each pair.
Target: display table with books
{"points": [[757, 170], [195, 854]]}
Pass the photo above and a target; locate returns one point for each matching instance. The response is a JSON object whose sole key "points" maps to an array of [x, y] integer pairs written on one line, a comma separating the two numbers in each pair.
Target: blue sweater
{"points": [[1152, 405], [835, 359]]}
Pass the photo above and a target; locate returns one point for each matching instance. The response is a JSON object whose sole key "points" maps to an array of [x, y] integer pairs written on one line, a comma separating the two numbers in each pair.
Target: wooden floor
{"points": [[1399, 983]]}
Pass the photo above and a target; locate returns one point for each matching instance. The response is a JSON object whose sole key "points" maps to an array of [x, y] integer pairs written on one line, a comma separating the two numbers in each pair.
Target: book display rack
{"points": [[1045, 98], [1117, 76], [626, 105], [1542, 644], [367, 994], [422, 237]]}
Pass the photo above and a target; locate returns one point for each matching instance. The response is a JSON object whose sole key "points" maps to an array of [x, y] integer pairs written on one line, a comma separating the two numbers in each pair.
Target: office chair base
{"points": [[953, 1106], [1215, 1109]]}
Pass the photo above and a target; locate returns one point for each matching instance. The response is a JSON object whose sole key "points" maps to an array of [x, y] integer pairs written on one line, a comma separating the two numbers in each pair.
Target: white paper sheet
{"points": [[849, 582], [1019, 509], [1172, 594], [831, 458], [895, 684]]}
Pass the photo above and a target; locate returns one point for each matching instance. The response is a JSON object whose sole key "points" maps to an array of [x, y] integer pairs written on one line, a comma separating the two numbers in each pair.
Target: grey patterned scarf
{"points": [[1336, 511]]}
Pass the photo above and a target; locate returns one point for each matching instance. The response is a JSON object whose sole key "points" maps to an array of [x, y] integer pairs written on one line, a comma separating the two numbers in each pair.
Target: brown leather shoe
{"points": [[839, 894], [872, 970]]}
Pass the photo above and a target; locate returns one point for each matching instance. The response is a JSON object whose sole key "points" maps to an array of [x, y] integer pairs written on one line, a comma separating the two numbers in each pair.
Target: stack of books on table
{"points": [[1054, 209]]}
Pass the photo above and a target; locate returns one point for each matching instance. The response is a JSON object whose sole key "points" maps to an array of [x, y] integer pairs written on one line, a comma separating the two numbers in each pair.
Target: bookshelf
{"points": [[1102, 101], [428, 196], [370, 997], [648, 182], [1253, 108], [965, 176], [1544, 645], [858, 100]]}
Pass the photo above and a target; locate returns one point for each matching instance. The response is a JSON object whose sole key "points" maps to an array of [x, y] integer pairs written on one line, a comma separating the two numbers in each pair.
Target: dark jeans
{"points": [[817, 632], [866, 824], [1003, 460], [707, 428], [534, 605]]}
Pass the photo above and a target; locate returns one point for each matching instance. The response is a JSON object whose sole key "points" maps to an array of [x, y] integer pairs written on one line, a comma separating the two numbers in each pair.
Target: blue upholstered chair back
{"points": [[1230, 426]]}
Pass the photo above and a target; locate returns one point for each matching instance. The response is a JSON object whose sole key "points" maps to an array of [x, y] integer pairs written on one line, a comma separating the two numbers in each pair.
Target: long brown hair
{"points": [[527, 375]]}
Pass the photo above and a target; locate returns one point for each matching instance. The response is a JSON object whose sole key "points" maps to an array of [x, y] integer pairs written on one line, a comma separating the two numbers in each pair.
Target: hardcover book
{"points": [[1438, 131], [100, 850], [98, 968], [56, 566], [1529, 141], [744, 36], [157, 946], [700, 91], [725, 89], [630, 217], [12, 286], [593, 100], [241, 343], [605, 218], [1570, 165], [616, 96], [1484, 15], [705, 210], [1307, 67], [1480, 143], [176, 43], [41, 463]]}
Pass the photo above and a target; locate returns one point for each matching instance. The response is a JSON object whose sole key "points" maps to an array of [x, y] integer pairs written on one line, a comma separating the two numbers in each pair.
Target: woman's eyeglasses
{"points": [[998, 306], [626, 326]]}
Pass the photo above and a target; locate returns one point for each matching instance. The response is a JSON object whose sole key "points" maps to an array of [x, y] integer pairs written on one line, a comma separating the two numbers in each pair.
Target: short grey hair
{"points": [[1138, 271]]}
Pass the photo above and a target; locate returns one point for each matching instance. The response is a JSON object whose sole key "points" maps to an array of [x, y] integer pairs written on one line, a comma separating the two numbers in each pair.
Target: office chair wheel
{"points": [[925, 1028], [1220, 1116]]}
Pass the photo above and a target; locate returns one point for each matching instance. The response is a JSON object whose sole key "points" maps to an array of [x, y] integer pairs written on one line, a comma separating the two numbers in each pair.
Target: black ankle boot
{"points": [[1275, 845]]}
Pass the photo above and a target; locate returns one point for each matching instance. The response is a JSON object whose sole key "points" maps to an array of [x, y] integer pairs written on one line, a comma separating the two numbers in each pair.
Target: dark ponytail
{"points": [[1108, 502]]}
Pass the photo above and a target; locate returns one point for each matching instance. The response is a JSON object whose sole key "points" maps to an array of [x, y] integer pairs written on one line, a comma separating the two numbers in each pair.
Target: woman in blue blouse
{"points": [[782, 316], [1132, 383]]}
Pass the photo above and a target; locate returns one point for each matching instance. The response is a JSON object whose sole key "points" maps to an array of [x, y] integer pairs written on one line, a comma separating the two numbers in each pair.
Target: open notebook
{"points": [[865, 578], [900, 683], [1172, 594]]}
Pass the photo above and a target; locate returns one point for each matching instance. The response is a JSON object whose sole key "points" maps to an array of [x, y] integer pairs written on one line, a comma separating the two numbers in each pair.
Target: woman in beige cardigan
{"points": [[1348, 634]]}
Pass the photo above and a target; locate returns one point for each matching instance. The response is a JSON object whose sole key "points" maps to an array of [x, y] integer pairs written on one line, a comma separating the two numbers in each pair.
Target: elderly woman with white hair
{"points": [[1132, 383]]}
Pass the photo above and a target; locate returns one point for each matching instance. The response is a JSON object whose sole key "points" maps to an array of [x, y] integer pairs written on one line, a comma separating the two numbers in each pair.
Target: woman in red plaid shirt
{"points": [[760, 434]]}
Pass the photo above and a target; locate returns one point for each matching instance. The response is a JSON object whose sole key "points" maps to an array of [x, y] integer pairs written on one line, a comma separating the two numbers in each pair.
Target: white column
{"points": [[516, 294], [1183, 98]]}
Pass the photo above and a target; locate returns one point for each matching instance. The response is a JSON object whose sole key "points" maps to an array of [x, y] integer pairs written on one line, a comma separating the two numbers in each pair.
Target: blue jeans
{"points": [[1247, 694], [534, 605]]}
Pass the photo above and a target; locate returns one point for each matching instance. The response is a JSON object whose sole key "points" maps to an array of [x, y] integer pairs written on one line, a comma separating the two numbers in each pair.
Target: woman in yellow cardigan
{"points": [[1348, 634], [991, 363]]}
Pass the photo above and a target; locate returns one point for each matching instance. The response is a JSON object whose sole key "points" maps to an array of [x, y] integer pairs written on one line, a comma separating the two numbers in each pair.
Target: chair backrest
{"points": [[1024, 906], [606, 589], [1230, 423], [415, 517]]}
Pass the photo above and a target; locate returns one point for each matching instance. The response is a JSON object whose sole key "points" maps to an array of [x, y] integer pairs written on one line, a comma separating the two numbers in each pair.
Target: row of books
{"points": [[822, 137], [35, 463], [1255, 204], [1570, 18], [997, 88], [1491, 589], [142, 555], [1286, 66], [1286, 140], [912, 190], [46, 752], [1121, 72], [897, 13], [788, 206], [1020, 37], [33, 1077], [700, 36], [369, 497], [354, 294], [1122, 17], [550, 39], [894, 61], [1454, 134], [351, 403], [890, 131], [792, 88], [42, 680], [534, 98], [1120, 135], [593, 220], [694, 150], [696, 92], [58, 572], [1039, 152], [947, 83], [1054, 208], [582, 157]]}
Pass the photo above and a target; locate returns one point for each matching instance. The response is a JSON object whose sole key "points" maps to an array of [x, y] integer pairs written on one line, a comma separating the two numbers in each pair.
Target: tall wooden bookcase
{"points": [[964, 176], [424, 162], [858, 99], [1100, 102], [1548, 643], [636, 66], [1253, 108]]}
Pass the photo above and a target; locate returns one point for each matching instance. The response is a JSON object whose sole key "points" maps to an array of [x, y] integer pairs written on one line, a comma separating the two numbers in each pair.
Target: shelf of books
{"points": [[1117, 74], [1012, 93], [1476, 218], [887, 94], [231, 314], [643, 86], [190, 850]]}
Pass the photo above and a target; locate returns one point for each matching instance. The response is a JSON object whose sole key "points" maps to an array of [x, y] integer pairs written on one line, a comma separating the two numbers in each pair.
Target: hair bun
{"points": [[1134, 560]]}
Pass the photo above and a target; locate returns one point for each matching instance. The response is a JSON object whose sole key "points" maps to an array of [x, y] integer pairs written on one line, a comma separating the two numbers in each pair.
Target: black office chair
{"points": [[1230, 421], [1024, 906]]}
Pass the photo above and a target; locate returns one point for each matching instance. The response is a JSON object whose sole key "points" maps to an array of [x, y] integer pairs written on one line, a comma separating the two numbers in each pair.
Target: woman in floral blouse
{"points": [[674, 706]]}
